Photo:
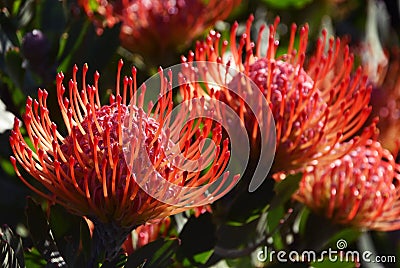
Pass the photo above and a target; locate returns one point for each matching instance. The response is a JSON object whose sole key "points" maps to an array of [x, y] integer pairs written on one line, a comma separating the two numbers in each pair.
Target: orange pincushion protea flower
{"points": [[93, 170], [361, 189], [316, 102], [154, 28]]}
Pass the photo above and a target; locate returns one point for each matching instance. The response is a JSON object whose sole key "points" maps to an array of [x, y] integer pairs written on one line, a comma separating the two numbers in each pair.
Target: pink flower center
{"points": [[102, 152]]}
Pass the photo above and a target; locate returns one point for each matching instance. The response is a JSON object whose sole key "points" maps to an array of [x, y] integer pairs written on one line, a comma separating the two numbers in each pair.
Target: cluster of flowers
{"points": [[318, 103]]}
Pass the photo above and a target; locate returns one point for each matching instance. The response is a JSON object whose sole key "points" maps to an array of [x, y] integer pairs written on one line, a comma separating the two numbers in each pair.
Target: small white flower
{"points": [[6, 118]]}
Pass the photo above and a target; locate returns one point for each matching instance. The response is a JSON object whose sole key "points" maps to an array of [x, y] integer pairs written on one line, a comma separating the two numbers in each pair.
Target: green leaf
{"points": [[33, 259], [319, 231], [285, 189], [236, 241], [155, 254], [7, 167], [11, 250], [8, 27], [53, 19], [244, 206], [163, 256], [41, 234], [303, 216], [201, 230], [244, 262], [349, 234], [13, 61], [66, 229], [85, 238], [118, 262], [274, 217], [25, 13], [64, 223], [104, 45], [71, 42], [332, 263], [284, 4], [203, 256]]}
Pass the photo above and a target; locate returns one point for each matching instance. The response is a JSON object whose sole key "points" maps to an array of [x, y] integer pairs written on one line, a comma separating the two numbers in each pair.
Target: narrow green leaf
{"points": [[274, 217], [11, 250], [13, 62], [85, 238], [25, 13], [53, 19], [118, 262], [162, 257], [7, 256], [71, 42], [154, 254], [8, 27], [41, 234], [303, 219], [33, 259], [332, 263], [285, 189], [285, 4], [199, 229]]}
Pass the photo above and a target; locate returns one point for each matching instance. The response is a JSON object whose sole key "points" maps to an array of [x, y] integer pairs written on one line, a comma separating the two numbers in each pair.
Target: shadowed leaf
{"points": [[11, 251], [41, 234], [155, 254], [285, 189], [13, 62]]}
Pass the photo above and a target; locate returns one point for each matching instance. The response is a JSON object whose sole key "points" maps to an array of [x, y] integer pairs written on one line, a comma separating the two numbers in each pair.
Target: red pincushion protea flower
{"points": [[93, 170], [317, 102], [361, 189], [154, 28], [145, 234]]}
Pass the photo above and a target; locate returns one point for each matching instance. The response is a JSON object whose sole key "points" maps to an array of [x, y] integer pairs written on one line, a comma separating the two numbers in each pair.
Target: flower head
{"points": [[115, 157], [361, 189], [153, 28], [317, 102]]}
